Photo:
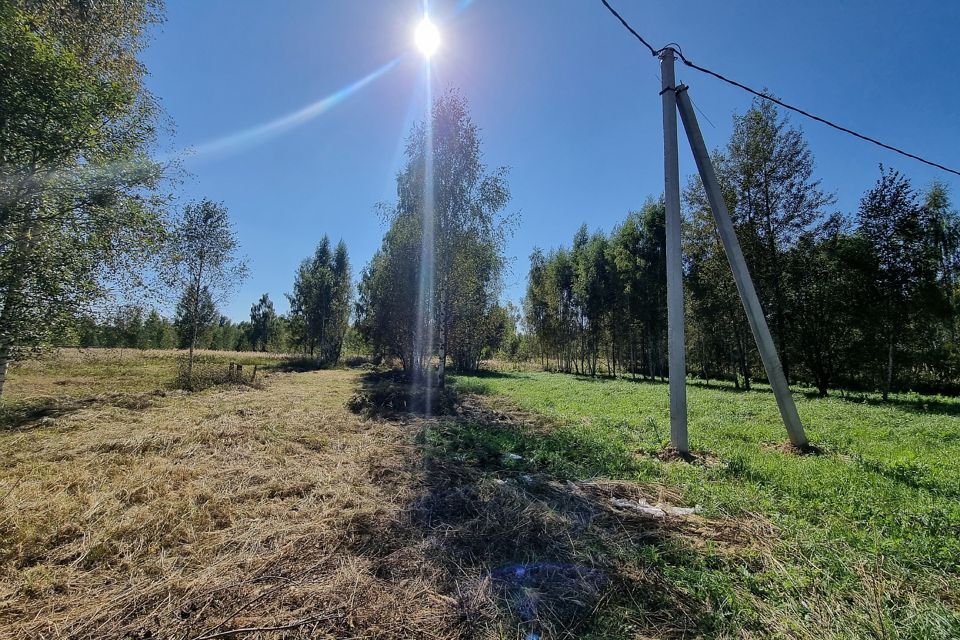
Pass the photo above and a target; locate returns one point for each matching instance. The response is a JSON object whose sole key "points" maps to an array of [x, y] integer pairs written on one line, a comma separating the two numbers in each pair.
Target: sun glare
{"points": [[427, 37]]}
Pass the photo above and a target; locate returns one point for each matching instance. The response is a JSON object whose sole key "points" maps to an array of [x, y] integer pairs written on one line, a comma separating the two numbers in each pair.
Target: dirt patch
{"points": [[792, 449], [702, 458]]}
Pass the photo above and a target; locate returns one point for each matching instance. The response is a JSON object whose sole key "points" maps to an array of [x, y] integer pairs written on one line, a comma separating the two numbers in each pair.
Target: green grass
{"points": [[866, 535]]}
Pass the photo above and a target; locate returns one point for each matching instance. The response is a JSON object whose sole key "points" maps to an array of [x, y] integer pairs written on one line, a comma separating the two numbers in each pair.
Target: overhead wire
{"points": [[766, 96]]}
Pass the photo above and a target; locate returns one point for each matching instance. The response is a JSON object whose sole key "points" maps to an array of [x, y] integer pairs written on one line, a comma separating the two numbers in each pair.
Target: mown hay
{"points": [[278, 513]]}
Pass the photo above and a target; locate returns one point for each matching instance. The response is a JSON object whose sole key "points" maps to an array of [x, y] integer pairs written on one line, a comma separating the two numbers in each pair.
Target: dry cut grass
{"points": [[279, 512]]}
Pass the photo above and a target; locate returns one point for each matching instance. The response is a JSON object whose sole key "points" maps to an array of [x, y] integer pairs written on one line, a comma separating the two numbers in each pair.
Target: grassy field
{"points": [[315, 505], [865, 534]]}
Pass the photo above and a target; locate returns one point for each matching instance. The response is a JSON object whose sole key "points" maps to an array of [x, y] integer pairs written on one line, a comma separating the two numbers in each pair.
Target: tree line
{"points": [[428, 296], [866, 300], [86, 215], [317, 324]]}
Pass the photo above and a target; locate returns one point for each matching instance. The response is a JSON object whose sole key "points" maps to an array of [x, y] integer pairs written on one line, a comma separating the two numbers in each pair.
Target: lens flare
{"points": [[423, 339], [259, 133]]}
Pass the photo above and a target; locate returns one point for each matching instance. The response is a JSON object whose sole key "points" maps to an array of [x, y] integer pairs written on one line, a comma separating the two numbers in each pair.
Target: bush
{"points": [[210, 371]]}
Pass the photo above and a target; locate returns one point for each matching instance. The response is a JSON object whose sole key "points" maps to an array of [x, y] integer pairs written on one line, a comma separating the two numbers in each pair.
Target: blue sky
{"points": [[563, 96]]}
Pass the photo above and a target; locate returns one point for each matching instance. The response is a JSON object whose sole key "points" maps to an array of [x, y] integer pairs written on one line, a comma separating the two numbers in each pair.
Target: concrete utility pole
{"points": [[748, 295], [671, 190]]}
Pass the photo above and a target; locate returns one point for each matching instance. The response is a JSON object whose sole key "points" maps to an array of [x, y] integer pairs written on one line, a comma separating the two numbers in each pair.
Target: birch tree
{"points": [[78, 210], [202, 261]]}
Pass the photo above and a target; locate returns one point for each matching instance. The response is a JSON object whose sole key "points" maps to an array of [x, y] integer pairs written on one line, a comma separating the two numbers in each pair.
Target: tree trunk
{"points": [[193, 339], [193, 342], [733, 369], [774, 257], [196, 311], [744, 369], [4, 363], [442, 367], [822, 390], [889, 378], [650, 368]]}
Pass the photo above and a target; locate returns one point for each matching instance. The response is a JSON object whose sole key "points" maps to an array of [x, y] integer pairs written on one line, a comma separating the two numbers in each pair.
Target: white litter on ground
{"points": [[655, 510]]}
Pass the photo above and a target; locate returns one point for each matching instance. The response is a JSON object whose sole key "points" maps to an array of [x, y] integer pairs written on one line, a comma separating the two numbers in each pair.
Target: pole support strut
{"points": [[741, 275]]}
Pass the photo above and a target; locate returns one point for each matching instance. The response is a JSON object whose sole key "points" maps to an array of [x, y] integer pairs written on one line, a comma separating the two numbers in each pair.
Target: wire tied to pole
{"points": [[766, 96]]}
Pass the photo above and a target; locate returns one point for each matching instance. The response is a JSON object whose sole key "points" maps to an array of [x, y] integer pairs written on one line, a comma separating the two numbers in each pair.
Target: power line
{"points": [[629, 28], [766, 96]]}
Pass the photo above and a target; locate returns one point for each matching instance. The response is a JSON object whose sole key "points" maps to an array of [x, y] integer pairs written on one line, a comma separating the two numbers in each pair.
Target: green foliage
{"points": [[603, 299], [159, 333], [196, 316], [226, 335], [76, 207], [433, 286], [828, 282], [202, 261], [904, 262], [866, 302], [387, 313], [320, 302], [263, 324]]}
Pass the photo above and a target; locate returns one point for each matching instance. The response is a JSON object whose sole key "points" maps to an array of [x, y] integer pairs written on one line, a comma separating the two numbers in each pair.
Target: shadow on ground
{"points": [[920, 405], [529, 554], [27, 414]]}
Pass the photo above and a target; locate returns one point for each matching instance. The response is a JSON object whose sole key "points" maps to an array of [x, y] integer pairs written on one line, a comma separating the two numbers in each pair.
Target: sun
{"points": [[427, 37]]}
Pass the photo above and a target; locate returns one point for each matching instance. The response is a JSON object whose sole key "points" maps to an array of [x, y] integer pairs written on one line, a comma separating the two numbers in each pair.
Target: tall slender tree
{"points": [[901, 236], [444, 246], [776, 198], [202, 261]]}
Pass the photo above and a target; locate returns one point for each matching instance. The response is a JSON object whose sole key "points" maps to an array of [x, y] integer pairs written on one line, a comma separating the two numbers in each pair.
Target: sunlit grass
{"points": [[869, 529], [79, 372], [127, 493]]}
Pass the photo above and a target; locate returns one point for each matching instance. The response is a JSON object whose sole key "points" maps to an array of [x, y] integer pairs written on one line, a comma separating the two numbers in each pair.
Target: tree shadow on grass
{"points": [[391, 394], [533, 554], [919, 406], [19, 415], [298, 365]]}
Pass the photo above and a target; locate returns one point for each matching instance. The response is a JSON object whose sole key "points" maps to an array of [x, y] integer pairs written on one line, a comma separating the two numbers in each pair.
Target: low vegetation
{"points": [[863, 532], [328, 504]]}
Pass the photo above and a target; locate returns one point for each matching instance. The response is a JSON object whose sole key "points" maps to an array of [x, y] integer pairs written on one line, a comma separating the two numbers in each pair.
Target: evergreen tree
{"points": [[263, 323], [160, 333], [320, 302]]}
